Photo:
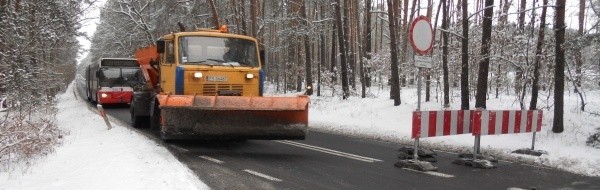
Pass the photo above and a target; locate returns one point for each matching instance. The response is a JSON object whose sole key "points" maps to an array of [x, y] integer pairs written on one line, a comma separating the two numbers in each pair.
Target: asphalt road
{"points": [[329, 161]]}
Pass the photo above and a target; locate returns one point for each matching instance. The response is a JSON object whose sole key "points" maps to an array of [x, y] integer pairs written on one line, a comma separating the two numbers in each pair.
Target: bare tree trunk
{"points": [[464, 75], [579, 57], [3, 14], [538, 56], [366, 50], [243, 12], [322, 49], [254, 14], [342, 45], [333, 52], [215, 15], [445, 53], [523, 5], [533, 16], [348, 38], [428, 71], [236, 16], [394, 54], [484, 65], [307, 57], [559, 70]]}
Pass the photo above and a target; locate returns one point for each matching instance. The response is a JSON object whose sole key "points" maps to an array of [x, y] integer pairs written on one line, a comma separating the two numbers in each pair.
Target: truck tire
{"points": [[87, 93], [136, 121], [155, 121]]}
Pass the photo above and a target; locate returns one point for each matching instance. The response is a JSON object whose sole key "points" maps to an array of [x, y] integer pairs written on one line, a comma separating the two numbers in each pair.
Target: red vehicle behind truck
{"points": [[112, 80]]}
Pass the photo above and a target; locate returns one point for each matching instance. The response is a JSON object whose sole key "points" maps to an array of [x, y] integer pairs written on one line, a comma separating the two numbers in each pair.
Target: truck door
{"points": [[167, 68]]}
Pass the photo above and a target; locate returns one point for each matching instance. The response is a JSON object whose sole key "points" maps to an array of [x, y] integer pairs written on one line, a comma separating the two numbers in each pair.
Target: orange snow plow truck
{"points": [[208, 84]]}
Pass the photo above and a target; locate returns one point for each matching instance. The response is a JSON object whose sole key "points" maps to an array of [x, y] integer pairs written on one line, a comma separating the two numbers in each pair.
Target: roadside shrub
{"points": [[594, 140], [27, 132]]}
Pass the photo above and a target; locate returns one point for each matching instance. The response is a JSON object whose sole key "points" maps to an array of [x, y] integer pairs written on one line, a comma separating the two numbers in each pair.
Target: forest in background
{"points": [[304, 53]]}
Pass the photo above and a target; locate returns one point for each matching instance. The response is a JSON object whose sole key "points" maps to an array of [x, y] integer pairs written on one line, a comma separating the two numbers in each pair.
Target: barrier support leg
{"points": [[476, 149], [531, 151], [475, 159], [415, 164], [533, 142], [416, 150]]}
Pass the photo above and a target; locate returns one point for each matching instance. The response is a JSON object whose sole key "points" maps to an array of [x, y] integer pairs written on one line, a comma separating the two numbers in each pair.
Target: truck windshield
{"points": [[111, 77], [200, 50]]}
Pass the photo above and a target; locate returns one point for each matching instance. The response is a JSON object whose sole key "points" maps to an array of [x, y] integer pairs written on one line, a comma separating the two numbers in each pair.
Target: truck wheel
{"points": [[95, 100], [136, 121], [155, 121], [164, 138], [89, 97]]}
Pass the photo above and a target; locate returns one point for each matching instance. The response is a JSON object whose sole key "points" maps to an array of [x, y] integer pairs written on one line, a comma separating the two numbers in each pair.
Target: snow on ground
{"points": [[92, 157], [377, 118]]}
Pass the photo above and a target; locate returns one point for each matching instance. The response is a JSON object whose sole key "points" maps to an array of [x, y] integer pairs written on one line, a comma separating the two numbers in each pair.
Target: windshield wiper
{"points": [[199, 63], [216, 60], [246, 65]]}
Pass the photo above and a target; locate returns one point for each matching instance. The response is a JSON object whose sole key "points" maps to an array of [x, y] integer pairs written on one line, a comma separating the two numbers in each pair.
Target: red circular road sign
{"points": [[421, 35]]}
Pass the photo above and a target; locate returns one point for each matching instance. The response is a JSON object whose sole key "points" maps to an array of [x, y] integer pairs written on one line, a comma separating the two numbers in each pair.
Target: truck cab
{"points": [[209, 63]]}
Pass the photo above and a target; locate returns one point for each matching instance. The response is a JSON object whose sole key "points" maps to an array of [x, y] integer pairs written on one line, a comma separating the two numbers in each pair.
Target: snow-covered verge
{"points": [[377, 118], [92, 157]]}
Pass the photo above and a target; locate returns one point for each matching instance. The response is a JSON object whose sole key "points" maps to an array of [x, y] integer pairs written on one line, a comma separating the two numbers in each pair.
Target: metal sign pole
{"points": [[416, 149], [419, 89], [421, 40]]}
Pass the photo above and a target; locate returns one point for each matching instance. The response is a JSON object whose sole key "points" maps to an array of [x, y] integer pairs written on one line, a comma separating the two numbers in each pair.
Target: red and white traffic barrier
{"points": [[496, 122], [441, 123]]}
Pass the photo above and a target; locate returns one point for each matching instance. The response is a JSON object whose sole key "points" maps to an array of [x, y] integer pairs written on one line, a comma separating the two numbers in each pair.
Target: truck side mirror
{"points": [[262, 57], [160, 46]]}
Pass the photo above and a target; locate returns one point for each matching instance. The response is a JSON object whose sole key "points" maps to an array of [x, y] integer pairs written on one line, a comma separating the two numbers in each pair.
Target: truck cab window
{"points": [[170, 52]]}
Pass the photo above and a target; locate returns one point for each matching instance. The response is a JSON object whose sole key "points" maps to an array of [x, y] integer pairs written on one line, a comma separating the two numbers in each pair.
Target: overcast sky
{"points": [[90, 19]]}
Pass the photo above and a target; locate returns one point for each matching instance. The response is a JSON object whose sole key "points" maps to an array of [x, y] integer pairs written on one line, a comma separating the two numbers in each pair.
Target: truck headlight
{"points": [[103, 95], [249, 75], [198, 75]]}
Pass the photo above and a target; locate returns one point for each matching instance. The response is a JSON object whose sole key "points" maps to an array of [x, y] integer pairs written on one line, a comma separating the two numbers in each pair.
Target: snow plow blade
{"points": [[233, 117]]}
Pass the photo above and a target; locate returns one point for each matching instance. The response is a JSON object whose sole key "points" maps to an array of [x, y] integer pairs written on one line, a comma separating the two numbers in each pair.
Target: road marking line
{"points": [[514, 188], [263, 175], [179, 148], [329, 151], [212, 159], [437, 174]]}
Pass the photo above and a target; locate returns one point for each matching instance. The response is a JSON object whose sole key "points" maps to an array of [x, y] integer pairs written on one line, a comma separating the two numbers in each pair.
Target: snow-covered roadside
{"points": [[377, 118], [92, 157]]}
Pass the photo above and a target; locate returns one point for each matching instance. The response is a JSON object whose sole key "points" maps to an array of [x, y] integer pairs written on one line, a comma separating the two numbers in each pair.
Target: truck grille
{"points": [[212, 89]]}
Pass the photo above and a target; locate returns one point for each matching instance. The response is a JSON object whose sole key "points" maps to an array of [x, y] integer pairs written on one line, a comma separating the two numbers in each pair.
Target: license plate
{"points": [[216, 78]]}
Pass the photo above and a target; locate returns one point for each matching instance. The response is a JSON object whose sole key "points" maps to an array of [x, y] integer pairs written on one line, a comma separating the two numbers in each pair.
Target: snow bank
{"points": [[92, 157]]}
